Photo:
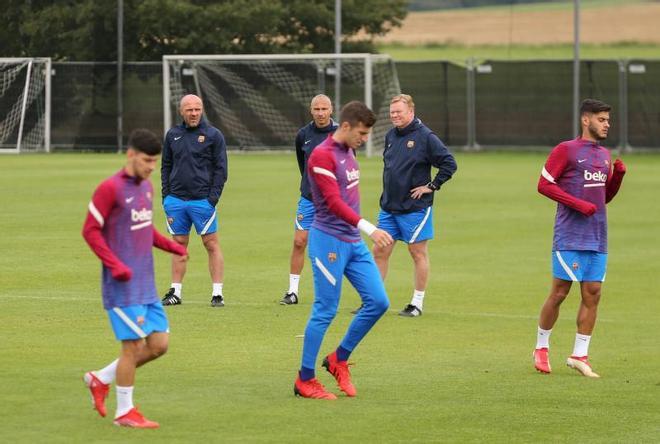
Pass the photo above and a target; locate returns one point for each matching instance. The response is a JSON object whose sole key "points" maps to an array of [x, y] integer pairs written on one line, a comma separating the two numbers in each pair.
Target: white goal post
{"points": [[25, 90], [260, 100]]}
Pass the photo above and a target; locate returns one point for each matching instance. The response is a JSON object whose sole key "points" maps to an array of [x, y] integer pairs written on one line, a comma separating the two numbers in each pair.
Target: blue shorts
{"points": [[408, 227], [579, 266], [305, 214], [182, 214], [138, 321]]}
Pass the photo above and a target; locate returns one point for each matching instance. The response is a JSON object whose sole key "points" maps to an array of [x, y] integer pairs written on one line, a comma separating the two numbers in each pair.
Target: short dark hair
{"points": [[145, 141], [355, 112], [593, 106]]}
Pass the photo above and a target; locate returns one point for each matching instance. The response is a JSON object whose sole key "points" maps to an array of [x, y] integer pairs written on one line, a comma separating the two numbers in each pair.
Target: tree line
{"points": [[86, 30]]}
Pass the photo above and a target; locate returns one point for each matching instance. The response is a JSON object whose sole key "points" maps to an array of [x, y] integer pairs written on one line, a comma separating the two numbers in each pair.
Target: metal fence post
{"points": [[471, 112], [624, 145]]}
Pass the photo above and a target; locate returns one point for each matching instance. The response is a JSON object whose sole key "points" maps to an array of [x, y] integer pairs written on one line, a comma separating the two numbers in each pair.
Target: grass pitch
{"points": [[460, 373]]}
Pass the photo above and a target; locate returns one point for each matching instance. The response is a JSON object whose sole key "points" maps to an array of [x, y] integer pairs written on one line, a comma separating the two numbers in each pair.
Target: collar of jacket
{"points": [[412, 126]]}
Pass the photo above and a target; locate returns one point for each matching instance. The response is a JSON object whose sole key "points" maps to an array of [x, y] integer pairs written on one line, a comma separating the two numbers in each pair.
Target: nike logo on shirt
{"points": [[581, 160], [129, 199], [307, 141], [177, 138]]}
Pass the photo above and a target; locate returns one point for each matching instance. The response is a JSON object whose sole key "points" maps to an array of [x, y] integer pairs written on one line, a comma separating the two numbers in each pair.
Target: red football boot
{"points": [[311, 388], [98, 390], [339, 369], [135, 419], [541, 361]]}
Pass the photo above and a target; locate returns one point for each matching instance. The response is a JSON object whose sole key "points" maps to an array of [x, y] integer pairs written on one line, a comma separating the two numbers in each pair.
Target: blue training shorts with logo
{"points": [[579, 266], [305, 214], [408, 227], [138, 321], [182, 214]]}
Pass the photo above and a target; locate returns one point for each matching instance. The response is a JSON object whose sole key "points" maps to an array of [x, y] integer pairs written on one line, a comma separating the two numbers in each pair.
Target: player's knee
{"points": [[158, 350], [299, 243], [557, 296], [381, 305]]}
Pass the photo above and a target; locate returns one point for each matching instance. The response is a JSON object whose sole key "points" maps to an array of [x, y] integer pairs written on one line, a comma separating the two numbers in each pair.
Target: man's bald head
{"points": [[321, 110], [191, 109]]}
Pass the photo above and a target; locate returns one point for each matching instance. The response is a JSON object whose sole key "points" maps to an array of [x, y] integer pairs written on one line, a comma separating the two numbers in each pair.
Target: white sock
{"points": [[177, 288], [543, 338], [217, 289], [581, 347], [294, 280], [107, 374], [124, 400], [418, 299]]}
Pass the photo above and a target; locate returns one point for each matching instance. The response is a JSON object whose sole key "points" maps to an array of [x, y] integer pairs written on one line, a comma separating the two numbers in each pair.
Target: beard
{"points": [[593, 131]]}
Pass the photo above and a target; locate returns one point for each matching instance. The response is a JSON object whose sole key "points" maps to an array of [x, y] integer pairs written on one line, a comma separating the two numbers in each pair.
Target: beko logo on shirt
{"points": [[597, 176], [143, 215], [352, 174]]}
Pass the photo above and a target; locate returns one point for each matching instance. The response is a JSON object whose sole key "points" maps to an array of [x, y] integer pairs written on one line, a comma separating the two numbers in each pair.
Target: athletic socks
{"points": [[543, 338], [107, 374], [581, 347], [418, 299], [217, 289], [342, 354], [294, 280], [177, 289], [124, 400], [306, 373]]}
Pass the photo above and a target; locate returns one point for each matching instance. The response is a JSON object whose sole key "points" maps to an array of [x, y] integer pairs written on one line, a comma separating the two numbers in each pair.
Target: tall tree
{"points": [[86, 29]]}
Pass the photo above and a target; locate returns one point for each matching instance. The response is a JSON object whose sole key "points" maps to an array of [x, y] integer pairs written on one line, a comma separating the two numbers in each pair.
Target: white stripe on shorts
{"points": [[566, 268], [169, 229], [128, 321], [208, 224], [298, 226], [325, 271], [421, 225]]}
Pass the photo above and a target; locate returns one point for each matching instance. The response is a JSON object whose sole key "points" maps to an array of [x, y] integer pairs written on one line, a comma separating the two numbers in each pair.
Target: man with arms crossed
{"points": [[580, 176], [308, 138], [411, 149], [193, 173], [336, 249], [118, 229]]}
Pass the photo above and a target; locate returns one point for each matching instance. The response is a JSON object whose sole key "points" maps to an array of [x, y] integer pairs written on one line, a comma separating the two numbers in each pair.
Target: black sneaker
{"points": [[357, 310], [410, 311], [217, 301], [289, 299], [170, 298]]}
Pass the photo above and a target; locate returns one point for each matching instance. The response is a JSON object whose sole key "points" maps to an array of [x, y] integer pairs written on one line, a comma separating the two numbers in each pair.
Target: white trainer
{"points": [[581, 364]]}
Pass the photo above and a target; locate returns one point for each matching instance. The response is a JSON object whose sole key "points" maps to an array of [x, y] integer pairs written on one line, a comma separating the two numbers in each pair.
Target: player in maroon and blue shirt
{"points": [[336, 249], [119, 230], [580, 176]]}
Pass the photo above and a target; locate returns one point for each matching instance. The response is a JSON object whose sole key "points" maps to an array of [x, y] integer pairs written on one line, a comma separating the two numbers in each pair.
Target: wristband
{"points": [[366, 226], [432, 186]]}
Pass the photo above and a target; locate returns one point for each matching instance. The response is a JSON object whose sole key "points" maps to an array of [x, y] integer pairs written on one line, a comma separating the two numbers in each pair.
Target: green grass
{"points": [[460, 53], [460, 373]]}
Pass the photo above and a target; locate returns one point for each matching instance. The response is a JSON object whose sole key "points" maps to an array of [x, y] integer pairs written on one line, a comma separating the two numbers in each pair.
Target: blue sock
{"points": [[342, 354], [306, 373]]}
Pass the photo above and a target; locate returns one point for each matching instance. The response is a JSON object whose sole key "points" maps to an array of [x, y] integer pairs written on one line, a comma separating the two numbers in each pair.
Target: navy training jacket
{"points": [[194, 164], [408, 157], [308, 138]]}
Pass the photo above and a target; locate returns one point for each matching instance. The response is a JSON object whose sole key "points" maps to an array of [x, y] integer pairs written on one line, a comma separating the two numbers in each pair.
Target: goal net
{"points": [[260, 101], [24, 104]]}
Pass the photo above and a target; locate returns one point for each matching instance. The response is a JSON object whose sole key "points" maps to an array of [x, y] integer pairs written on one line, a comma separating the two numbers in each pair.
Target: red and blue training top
{"points": [[119, 230], [334, 175], [577, 174]]}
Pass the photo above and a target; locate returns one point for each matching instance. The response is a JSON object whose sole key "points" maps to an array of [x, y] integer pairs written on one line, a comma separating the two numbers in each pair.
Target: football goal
{"points": [[260, 101], [24, 105]]}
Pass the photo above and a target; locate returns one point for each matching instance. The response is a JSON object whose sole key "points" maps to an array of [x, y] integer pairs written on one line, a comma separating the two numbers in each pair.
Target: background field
{"points": [[609, 29], [460, 373]]}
